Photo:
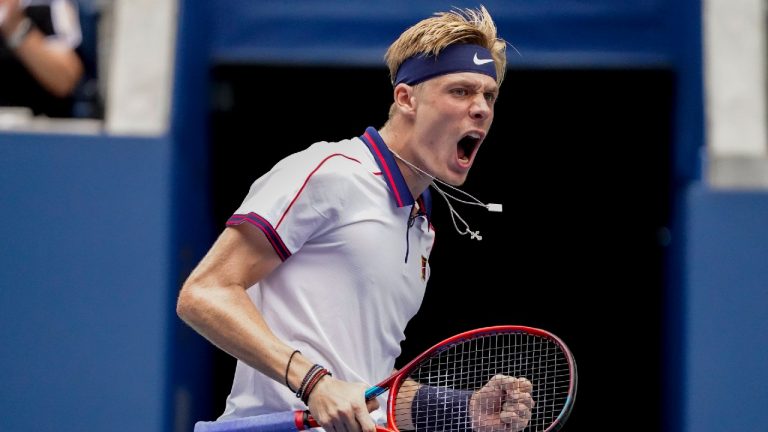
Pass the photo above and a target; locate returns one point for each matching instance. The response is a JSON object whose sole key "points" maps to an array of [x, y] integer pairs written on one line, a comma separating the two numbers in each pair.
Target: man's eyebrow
{"points": [[475, 84]]}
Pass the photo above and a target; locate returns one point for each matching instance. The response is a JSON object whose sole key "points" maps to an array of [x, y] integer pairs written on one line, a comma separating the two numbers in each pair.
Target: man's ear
{"points": [[404, 98]]}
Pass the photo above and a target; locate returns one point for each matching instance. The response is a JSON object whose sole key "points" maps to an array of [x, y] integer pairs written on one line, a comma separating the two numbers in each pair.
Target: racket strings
{"points": [[441, 387]]}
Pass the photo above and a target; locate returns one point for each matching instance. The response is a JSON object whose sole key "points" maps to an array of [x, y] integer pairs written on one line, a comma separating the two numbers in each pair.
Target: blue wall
{"points": [[84, 309], [726, 311], [97, 232], [561, 33]]}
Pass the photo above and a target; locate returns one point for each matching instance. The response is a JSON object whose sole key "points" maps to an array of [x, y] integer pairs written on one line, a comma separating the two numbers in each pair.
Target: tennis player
{"points": [[313, 280]]}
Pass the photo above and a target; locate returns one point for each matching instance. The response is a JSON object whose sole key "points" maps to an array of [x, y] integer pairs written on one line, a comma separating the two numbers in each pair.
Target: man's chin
{"points": [[456, 179]]}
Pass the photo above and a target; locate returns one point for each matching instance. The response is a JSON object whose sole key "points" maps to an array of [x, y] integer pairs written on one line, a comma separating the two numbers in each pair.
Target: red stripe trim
{"points": [[272, 236], [307, 180], [266, 234], [388, 173]]}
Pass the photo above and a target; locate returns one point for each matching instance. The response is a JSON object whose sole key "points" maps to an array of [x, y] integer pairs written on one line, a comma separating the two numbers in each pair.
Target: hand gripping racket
{"points": [[464, 383]]}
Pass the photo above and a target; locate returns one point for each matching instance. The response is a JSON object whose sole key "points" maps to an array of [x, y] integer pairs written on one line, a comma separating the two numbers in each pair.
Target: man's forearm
{"points": [[441, 408], [55, 66]]}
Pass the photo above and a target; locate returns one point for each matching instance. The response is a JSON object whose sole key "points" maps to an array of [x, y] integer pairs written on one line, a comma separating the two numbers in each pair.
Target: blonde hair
{"points": [[460, 26]]}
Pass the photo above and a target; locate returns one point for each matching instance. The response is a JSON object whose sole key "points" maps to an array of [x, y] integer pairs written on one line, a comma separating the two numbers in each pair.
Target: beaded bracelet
{"points": [[288, 366], [314, 369], [310, 380], [312, 383]]}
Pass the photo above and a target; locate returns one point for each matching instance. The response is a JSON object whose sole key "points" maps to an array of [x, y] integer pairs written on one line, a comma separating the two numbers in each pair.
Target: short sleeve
{"points": [[298, 199], [66, 23]]}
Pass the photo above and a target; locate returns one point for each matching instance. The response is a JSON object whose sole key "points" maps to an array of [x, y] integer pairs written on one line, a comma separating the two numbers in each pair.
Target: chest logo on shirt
{"points": [[424, 263]]}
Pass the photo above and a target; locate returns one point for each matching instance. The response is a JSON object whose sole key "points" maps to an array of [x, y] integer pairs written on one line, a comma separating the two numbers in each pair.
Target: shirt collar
{"points": [[391, 172]]}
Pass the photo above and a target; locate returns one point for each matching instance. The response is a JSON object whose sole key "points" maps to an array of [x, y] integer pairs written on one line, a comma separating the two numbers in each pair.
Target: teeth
{"points": [[474, 135]]}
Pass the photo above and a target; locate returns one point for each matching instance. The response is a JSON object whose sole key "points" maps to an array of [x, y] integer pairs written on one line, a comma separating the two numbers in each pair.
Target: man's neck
{"points": [[400, 143]]}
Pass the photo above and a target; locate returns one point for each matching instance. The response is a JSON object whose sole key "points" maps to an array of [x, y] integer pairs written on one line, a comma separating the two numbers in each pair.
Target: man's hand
{"points": [[340, 406], [503, 405]]}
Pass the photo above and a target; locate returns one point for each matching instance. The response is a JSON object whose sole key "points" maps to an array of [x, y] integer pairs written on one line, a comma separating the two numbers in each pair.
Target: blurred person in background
{"points": [[40, 67]]}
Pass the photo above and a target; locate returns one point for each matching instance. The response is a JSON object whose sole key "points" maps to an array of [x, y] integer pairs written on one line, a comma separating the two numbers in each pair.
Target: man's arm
{"points": [[404, 402], [54, 64], [214, 302], [503, 403]]}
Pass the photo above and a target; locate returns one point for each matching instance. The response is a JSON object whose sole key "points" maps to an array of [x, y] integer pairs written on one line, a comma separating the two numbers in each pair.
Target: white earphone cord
{"points": [[454, 214]]}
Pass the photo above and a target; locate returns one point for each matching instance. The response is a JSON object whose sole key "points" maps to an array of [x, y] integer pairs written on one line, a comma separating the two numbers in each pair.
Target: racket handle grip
{"points": [[287, 421], [307, 421]]}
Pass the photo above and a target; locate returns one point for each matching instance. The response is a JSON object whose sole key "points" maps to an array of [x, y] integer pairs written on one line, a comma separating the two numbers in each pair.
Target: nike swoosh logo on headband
{"points": [[481, 61]]}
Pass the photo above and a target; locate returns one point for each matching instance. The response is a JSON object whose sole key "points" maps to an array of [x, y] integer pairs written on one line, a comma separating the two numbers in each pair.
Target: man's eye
{"points": [[490, 97], [460, 92]]}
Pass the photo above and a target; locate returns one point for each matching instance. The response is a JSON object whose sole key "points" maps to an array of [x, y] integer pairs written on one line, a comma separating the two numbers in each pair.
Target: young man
{"points": [[326, 260]]}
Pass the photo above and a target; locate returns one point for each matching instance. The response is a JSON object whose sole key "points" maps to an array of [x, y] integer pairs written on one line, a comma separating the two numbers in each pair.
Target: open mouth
{"points": [[467, 146]]}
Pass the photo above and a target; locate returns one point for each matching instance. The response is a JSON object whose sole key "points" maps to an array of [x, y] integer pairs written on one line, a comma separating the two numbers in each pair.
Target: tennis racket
{"points": [[462, 384]]}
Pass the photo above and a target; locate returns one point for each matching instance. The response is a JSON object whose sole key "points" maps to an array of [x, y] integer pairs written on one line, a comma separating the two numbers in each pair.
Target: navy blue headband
{"points": [[452, 59]]}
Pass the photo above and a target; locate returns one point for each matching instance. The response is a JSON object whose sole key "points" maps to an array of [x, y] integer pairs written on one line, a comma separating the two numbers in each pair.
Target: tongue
{"points": [[460, 152]]}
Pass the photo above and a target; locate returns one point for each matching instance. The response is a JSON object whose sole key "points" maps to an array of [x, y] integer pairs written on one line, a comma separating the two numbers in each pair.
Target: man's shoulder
{"points": [[329, 157]]}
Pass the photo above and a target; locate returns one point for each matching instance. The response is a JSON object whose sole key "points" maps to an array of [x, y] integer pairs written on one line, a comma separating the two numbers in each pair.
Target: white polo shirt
{"points": [[355, 265]]}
